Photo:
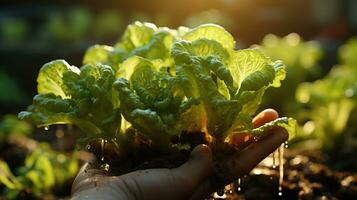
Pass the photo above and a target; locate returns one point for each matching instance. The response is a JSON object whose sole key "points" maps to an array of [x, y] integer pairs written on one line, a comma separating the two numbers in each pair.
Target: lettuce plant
{"points": [[10, 126], [43, 172], [156, 84], [331, 102]]}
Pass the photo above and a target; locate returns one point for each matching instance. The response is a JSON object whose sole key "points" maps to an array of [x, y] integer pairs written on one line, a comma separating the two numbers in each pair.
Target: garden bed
{"points": [[307, 175]]}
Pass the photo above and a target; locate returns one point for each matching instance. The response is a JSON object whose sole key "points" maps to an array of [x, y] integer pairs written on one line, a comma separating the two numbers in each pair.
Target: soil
{"points": [[145, 156], [307, 175]]}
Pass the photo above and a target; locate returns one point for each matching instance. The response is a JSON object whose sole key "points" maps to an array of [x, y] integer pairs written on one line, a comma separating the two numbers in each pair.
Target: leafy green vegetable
{"points": [[331, 102], [158, 82], [288, 123], [82, 97], [11, 125], [211, 32], [43, 171], [348, 52], [71, 25], [7, 178]]}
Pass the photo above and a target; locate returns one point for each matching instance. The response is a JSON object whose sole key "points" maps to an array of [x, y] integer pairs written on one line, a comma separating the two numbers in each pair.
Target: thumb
{"points": [[196, 169]]}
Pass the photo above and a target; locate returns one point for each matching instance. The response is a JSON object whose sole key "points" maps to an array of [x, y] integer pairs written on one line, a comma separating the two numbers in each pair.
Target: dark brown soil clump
{"points": [[307, 176]]}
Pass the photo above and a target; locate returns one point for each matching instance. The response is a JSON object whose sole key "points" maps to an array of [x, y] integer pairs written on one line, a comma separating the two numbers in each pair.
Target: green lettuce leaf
{"points": [[7, 178], [213, 105], [347, 53], [82, 97], [301, 59], [150, 100], [228, 83], [139, 39], [211, 32], [252, 70], [50, 77], [289, 124], [136, 35]]}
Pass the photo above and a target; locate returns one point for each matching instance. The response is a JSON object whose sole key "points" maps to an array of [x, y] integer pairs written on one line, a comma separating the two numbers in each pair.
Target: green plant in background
{"points": [[75, 24], [11, 93], [301, 59], [43, 172], [72, 25], [156, 83], [107, 23], [348, 57], [11, 125], [329, 103], [13, 30], [348, 53]]}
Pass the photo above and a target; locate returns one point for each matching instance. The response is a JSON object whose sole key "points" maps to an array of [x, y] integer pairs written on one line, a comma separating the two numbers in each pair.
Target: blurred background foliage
{"points": [[314, 38], [330, 105], [30, 167]]}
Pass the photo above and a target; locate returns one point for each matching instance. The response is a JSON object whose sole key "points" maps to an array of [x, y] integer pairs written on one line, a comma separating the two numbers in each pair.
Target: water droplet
{"points": [[274, 160], [230, 191], [286, 145], [280, 194], [281, 167], [105, 167], [102, 145], [46, 128], [238, 185], [229, 188]]}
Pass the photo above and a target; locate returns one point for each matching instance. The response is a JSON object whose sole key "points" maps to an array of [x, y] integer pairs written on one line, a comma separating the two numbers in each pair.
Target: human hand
{"points": [[195, 179]]}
